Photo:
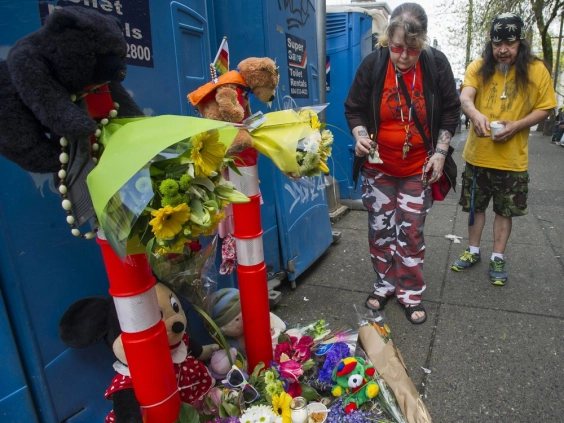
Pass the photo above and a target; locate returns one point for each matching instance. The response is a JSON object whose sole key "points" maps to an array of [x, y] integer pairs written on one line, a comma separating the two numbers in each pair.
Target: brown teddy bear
{"points": [[227, 99]]}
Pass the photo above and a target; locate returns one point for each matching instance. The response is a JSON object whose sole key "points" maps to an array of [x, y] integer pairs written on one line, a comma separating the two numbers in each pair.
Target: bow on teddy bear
{"points": [[228, 99], [91, 319], [44, 78], [353, 376]]}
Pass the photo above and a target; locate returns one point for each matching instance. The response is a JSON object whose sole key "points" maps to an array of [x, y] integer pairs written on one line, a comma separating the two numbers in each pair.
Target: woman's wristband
{"points": [[441, 151]]}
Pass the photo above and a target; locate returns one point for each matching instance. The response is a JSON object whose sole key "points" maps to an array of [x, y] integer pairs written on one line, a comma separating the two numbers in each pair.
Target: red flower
{"points": [[294, 389], [282, 348]]}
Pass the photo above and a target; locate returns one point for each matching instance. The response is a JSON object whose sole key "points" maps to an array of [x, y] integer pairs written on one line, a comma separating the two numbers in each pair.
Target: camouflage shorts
{"points": [[509, 191]]}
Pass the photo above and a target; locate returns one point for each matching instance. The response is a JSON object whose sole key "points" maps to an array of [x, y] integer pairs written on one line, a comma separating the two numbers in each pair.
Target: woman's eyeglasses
{"points": [[410, 51], [236, 378]]}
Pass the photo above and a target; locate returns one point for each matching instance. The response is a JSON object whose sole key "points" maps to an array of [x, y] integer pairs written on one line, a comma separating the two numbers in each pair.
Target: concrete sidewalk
{"points": [[486, 353]]}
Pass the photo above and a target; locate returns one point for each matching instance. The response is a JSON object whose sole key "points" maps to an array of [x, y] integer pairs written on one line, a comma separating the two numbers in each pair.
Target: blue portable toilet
{"points": [[351, 33], [43, 268], [295, 214]]}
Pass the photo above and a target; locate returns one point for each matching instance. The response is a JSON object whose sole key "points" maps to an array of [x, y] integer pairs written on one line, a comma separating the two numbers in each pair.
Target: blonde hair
{"points": [[411, 17]]}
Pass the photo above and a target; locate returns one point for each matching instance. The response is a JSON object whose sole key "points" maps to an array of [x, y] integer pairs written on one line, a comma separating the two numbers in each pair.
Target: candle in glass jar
{"points": [[298, 410]]}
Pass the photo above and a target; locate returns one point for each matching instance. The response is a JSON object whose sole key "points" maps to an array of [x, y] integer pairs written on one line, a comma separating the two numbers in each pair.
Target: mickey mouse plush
{"points": [[91, 319]]}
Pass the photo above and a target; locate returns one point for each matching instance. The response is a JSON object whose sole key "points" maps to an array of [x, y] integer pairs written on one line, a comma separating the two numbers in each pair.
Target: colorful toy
{"points": [[353, 378], [226, 314], [228, 98], [91, 319]]}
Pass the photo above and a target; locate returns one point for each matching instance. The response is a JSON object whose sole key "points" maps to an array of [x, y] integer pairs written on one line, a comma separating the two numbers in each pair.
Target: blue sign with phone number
{"points": [[134, 16]]}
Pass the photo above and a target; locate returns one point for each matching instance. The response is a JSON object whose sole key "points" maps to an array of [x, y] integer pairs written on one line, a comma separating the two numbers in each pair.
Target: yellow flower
{"points": [[281, 406], [207, 153], [313, 118], [167, 221]]}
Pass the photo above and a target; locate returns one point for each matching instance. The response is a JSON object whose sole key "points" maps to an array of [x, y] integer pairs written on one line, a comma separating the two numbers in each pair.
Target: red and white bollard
{"points": [[144, 337], [251, 269]]}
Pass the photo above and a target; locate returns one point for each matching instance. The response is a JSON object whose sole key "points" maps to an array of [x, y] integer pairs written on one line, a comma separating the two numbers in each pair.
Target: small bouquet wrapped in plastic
{"points": [[188, 272], [397, 396], [158, 184], [295, 140]]}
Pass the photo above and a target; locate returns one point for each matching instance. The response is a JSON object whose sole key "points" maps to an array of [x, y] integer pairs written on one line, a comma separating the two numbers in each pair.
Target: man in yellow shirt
{"points": [[510, 86]]}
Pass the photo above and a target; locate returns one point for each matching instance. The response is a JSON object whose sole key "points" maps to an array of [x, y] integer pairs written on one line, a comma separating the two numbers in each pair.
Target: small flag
{"points": [[221, 61]]}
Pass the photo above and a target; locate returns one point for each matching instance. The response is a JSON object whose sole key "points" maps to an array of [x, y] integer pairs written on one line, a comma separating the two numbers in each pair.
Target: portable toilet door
{"points": [[43, 268], [285, 32], [349, 38]]}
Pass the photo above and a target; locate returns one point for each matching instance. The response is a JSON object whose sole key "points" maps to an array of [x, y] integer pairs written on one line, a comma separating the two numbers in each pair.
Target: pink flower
{"points": [[302, 351], [291, 369], [215, 395]]}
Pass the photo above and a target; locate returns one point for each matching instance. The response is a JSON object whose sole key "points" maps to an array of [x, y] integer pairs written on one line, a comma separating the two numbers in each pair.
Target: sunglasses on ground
{"points": [[400, 50], [236, 378]]}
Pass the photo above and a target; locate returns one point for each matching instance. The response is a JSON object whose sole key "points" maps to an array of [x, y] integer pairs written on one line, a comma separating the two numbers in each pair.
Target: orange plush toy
{"points": [[228, 98]]}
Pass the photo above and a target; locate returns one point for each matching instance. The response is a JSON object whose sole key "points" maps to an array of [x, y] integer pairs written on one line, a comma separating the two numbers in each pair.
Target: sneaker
{"points": [[498, 275], [465, 261]]}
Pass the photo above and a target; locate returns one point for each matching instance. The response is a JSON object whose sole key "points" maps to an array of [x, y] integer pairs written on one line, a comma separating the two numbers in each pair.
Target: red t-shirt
{"points": [[391, 134]]}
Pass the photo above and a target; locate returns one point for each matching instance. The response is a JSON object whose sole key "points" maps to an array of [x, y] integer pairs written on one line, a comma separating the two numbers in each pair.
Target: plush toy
{"points": [[91, 319], [227, 99], [45, 77], [226, 314], [352, 377], [219, 363]]}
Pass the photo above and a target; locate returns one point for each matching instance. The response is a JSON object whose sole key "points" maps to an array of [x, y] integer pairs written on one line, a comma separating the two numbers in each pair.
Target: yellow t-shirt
{"points": [[512, 155]]}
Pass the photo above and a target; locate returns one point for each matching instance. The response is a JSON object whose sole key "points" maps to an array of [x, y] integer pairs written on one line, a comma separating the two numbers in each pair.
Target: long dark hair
{"points": [[522, 62]]}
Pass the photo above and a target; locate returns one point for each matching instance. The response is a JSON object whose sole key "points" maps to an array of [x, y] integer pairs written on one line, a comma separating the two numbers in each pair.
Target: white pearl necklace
{"points": [[62, 174]]}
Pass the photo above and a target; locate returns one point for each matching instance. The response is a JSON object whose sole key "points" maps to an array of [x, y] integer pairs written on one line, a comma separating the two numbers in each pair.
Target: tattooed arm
{"points": [[363, 141]]}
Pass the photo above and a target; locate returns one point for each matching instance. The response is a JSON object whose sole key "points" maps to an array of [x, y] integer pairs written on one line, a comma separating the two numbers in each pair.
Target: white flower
{"points": [[260, 414], [311, 143]]}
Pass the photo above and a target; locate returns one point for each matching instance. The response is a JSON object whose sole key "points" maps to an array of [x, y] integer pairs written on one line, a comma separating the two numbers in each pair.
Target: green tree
{"points": [[473, 18]]}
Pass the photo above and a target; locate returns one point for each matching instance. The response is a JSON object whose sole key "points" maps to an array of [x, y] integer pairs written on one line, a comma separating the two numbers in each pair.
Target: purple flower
{"points": [[233, 419]]}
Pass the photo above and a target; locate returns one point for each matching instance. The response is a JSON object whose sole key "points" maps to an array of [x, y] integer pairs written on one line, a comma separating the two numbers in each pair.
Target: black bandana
{"points": [[507, 27]]}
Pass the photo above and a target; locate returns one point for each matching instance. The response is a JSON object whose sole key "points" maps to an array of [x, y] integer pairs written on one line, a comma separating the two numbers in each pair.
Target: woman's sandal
{"points": [[381, 302], [409, 310]]}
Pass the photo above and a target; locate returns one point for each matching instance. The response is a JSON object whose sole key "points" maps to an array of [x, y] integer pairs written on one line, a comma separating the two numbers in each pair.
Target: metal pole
{"points": [[556, 69], [320, 14]]}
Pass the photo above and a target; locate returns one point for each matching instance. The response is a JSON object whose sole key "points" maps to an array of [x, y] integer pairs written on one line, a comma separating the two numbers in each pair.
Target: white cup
{"points": [[496, 128]]}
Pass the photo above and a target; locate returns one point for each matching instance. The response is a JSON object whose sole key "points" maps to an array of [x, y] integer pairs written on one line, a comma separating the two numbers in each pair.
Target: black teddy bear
{"points": [[76, 48]]}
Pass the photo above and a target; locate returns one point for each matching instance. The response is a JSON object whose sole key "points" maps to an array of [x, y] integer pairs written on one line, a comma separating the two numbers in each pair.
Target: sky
{"points": [[435, 30]]}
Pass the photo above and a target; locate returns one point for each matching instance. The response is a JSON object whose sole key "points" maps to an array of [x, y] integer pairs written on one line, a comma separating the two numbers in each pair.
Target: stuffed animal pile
{"points": [[44, 77]]}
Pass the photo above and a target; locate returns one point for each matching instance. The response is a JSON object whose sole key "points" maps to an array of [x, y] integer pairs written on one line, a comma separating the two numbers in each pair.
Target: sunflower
{"points": [[281, 406], [167, 221], [207, 153]]}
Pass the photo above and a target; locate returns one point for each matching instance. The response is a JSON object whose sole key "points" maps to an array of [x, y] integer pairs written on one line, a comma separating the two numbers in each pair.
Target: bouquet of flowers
{"points": [[170, 190], [295, 140], [397, 396]]}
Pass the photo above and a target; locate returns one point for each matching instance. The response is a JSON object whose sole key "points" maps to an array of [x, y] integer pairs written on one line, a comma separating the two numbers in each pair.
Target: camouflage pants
{"points": [[397, 208], [509, 191]]}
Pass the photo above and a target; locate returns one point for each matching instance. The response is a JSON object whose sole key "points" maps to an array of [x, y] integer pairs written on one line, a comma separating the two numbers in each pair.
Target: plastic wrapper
{"points": [[138, 208], [396, 387], [294, 140]]}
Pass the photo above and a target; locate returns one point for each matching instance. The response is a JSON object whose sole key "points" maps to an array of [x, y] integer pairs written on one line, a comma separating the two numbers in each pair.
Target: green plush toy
{"points": [[354, 378]]}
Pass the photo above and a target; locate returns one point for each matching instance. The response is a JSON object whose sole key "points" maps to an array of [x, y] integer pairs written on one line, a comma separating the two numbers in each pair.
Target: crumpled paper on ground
{"points": [[389, 363]]}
